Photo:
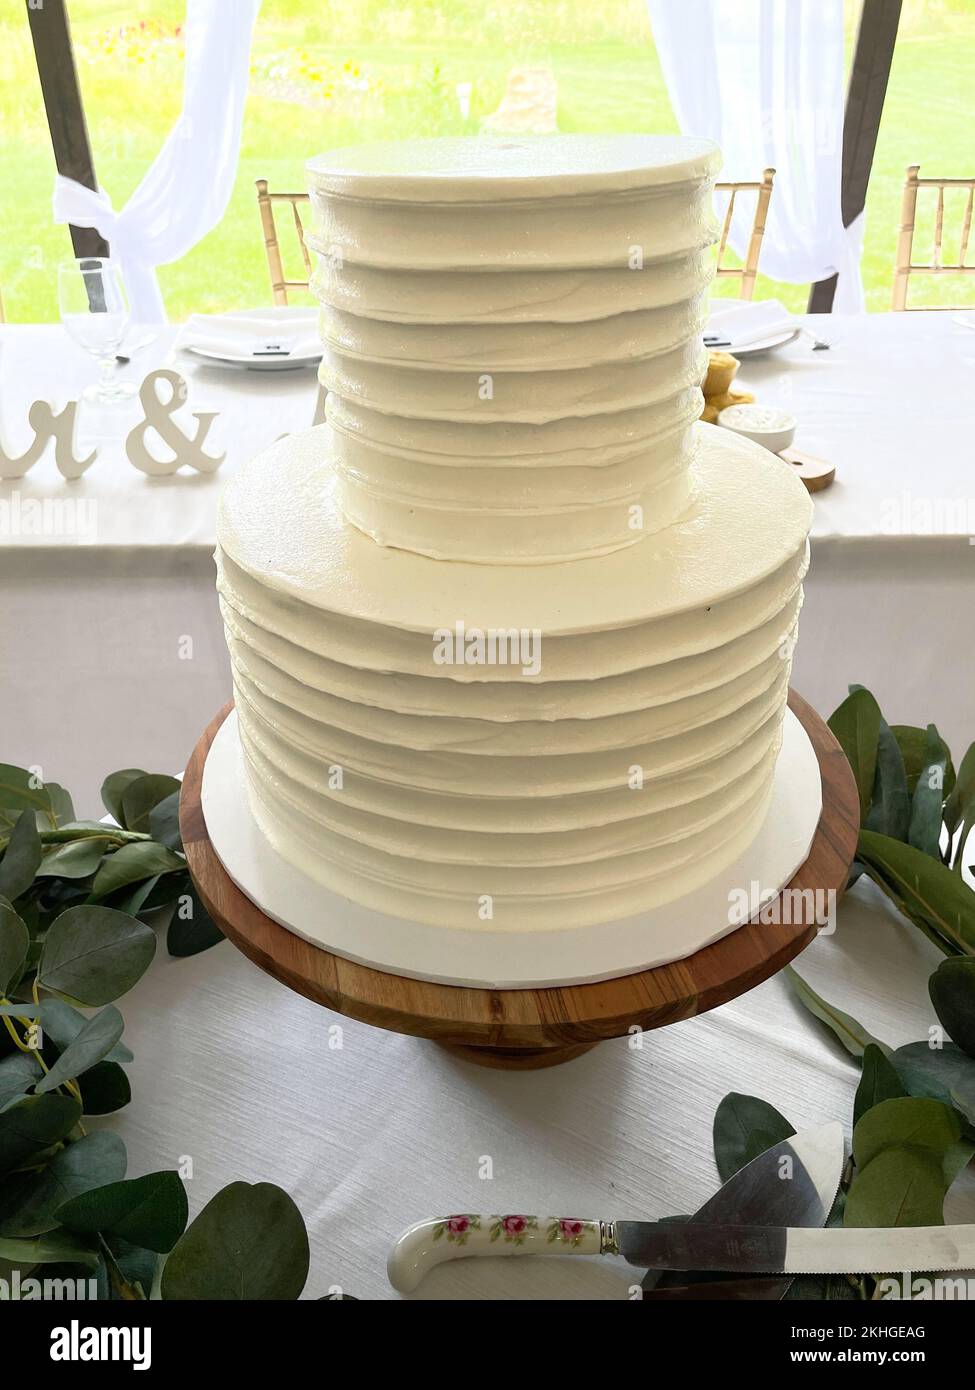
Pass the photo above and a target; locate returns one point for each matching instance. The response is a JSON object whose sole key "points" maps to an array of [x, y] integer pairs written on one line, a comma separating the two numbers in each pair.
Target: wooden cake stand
{"points": [[528, 1028]]}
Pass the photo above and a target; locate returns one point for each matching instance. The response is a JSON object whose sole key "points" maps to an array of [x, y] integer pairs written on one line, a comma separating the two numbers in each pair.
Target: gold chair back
{"points": [[266, 202], [748, 271], [905, 265]]}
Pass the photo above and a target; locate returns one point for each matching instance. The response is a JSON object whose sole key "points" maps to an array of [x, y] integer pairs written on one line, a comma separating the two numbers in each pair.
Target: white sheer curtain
{"points": [[764, 78], [185, 192]]}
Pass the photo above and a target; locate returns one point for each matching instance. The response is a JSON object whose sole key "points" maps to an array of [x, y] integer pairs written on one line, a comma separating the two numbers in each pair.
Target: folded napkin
{"points": [[242, 335], [745, 324]]}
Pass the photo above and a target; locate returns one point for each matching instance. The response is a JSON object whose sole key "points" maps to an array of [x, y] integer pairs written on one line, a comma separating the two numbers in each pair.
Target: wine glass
{"points": [[95, 312]]}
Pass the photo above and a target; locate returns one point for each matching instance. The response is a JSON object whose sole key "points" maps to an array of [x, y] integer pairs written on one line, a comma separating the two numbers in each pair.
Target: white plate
{"points": [[247, 363], [280, 318], [765, 344]]}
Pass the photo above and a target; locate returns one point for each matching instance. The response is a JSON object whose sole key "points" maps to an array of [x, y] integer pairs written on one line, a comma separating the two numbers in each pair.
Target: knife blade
{"points": [[795, 1249], [793, 1182]]}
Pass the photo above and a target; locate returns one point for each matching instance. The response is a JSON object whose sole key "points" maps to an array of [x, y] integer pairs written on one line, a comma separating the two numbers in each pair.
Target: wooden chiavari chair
{"points": [[748, 271], [266, 201], [905, 265]]}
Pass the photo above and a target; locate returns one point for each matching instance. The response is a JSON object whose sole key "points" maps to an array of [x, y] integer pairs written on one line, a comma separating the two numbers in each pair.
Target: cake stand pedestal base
{"points": [[529, 1028], [516, 1058]]}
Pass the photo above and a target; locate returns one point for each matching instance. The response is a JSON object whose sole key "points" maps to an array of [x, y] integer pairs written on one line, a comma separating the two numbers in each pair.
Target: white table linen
{"points": [[244, 1077]]}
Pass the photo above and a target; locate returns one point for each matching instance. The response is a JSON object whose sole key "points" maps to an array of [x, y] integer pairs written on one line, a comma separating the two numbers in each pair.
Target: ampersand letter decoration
{"points": [[48, 423], [158, 414]]}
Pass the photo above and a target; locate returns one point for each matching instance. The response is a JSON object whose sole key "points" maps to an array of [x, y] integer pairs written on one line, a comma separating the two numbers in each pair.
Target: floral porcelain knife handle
{"points": [[430, 1243]]}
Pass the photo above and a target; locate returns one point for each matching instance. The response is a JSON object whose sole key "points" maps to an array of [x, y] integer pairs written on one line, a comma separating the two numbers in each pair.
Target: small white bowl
{"points": [[773, 429]]}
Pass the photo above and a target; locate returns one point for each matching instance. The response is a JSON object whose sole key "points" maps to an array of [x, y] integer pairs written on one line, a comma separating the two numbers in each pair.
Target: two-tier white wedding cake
{"points": [[511, 634]]}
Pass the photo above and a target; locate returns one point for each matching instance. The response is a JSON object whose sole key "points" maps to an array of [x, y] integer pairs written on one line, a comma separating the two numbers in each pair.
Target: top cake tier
{"points": [[512, 338]]}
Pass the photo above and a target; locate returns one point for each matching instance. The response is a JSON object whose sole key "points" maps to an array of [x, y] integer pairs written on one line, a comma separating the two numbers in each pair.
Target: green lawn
{"points": [[327, 74]]}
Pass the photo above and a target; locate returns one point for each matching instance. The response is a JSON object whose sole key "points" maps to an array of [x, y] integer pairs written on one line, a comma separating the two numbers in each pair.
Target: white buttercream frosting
{"points": [[539, 302], [511, 634], [637, 760]]}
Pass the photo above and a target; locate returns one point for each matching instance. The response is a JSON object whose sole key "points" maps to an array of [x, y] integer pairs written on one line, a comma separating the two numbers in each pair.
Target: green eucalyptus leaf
{"points": [[248, 1242], [113, 787], [150, 1212], [925, 890], [21, 790], [21, 857], [34, 1124], [132, 864], [141, 795], [28, 1201], [61, 1023], [952, 990], [91, 955], [962, 793], [905, 1122], [75, 859], [133, 902], [744, 1127], [845, 1028], [913, 743], [162, 891], [164, 822], [956, 1159], [138, 1266], [95, 1040], [56, 1248], [18, 1072], [945, 1073], [900, 1187], [191, 928], [878, 1081], [924, 832], [890, 804], [105, 1088], [856, 727], [62, 807], [14, 945]]}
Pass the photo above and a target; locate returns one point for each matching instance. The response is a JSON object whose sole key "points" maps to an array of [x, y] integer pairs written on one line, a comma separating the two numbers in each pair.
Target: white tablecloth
{"points": [[134, 512], [237, 1074]]}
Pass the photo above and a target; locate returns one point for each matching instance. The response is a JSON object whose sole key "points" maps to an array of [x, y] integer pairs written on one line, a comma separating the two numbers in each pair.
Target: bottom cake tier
{"points": [[515, 747]]}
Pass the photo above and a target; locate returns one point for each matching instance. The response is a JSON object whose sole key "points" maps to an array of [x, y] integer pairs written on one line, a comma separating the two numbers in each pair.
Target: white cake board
{"points": [[493, 959]]}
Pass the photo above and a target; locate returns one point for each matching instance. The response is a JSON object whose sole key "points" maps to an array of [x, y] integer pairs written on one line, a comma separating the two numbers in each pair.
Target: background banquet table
{"points": [[100, 625], [368, 1130]]}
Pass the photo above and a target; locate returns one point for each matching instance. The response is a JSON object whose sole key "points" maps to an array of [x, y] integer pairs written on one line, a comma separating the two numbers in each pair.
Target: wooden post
{"points": [[758, 231], [905, 239], [65, 113], [876, 36], [271, 246]]}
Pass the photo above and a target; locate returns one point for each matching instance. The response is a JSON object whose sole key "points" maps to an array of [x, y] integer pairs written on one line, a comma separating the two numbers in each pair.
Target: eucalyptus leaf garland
{"points": [[914, 1109], [80, 906]]}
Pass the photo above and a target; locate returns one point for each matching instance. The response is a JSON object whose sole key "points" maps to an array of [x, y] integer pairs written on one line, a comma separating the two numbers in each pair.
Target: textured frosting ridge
{"points": [[538, 308], [515, 658], [636, 762]]}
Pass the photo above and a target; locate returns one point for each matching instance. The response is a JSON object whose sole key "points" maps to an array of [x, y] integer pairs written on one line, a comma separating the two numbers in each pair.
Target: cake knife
{"points": [[793, 1183]]}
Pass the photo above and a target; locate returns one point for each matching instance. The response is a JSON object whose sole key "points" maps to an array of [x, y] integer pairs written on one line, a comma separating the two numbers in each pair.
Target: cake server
{"points": [[791, 1184]]}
